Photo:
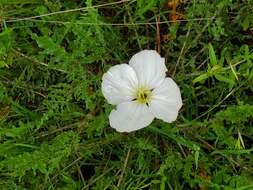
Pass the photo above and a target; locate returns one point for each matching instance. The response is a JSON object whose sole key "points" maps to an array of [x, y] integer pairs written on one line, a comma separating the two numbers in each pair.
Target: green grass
{"points": [[54, 129]]}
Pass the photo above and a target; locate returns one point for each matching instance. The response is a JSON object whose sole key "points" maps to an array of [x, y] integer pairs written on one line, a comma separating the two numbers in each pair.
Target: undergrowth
{"points": [[54, 129]]}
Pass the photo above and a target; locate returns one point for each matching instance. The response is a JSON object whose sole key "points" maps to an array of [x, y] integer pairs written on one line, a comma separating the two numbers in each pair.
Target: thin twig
{"points": [[36, 61], [29, 58], [80, 173], [182, 150], [202, 63], [117, 24], [71, 164], [158, 36], [65, 11], [135, 31], [181, 53], [226, 97], [221, 153], [96, 179], [63, 128], [124, 168], [201, 32], [217, 105], [27, 87]]}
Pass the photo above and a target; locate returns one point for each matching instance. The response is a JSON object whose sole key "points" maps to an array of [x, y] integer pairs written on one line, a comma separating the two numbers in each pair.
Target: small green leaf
{"points": [[212, 56], [215, 70], [200, 78], [232, 69], [3, 64], [223, 79], [196, 155]]}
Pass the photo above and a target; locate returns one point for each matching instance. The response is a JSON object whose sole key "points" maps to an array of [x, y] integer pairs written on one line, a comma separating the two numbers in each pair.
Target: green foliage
{"points": [[54, 129], [5, 43]]}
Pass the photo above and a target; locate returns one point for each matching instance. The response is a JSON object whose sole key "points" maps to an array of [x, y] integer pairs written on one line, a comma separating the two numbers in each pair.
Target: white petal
{"points": [[166, 101], [149, 67], [119, 84], [130, 116]]}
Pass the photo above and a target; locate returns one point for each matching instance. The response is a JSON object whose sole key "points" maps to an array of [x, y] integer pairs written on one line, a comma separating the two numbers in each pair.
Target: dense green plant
{"points": [[54, 130]]}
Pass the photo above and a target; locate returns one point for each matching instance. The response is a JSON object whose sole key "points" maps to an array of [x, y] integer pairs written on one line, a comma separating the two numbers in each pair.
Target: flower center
{"points": [[143, 96]]}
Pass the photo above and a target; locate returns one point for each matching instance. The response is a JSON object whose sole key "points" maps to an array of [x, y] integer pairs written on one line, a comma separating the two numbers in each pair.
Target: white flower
{"points": [[141, 92]]}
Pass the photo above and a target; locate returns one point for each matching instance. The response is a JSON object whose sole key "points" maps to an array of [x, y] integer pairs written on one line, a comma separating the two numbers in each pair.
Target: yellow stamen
{"points": [[143, 95]]}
